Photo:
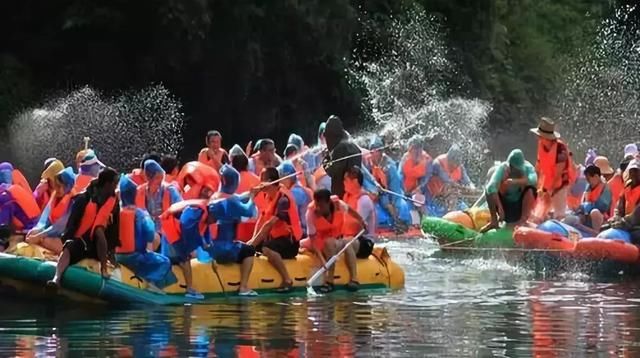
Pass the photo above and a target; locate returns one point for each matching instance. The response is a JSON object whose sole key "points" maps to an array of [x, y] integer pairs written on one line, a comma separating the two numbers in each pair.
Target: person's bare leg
{"points": [[492, 203], [61, 267], [329, 250], [52, 244], [351, 259], [186, 271], [276, 261], [528, 203], [245, 271], [597, 219]]}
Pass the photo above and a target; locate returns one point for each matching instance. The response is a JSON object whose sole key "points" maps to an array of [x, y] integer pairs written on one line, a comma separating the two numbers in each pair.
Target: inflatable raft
{"points": [[26, 271], [555, 246], [450, 234]]}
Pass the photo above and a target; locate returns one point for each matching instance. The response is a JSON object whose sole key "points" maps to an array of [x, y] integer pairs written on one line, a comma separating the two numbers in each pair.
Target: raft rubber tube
{"points": [[450, 233], [611, 244], [26, 272]]}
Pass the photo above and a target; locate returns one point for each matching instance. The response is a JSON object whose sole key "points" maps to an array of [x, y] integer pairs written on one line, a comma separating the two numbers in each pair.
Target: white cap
{"points": [[630, 150]]}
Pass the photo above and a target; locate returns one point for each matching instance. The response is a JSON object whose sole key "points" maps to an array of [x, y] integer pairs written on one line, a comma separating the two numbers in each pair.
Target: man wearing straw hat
{"points": [[555, 170]]}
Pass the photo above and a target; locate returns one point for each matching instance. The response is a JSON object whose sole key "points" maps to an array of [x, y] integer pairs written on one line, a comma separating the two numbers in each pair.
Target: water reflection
{"points": [[451, 307]]}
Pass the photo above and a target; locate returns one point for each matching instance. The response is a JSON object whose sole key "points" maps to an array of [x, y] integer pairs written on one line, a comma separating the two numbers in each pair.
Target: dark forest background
{"points": [[266, 68]]}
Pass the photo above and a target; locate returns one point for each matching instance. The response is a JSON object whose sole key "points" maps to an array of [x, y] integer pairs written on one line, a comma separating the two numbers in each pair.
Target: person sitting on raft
{"points": [[415, 168], [343, 154], [91, 230], [171, 168], [384, 173], [617, 184], [627, 214], [596, 202], [248, 181], [265, 156], [137, 174], [278, 230], [155, 195], [555, 170], [511, 191], [138, 239], [326, 217], [90, 167], [301, 194], [296, 152], [18, 209], [449, 172], [44, 190], [213, 154], [184, 224], [226, 210], [359, 200], [53, 220]]}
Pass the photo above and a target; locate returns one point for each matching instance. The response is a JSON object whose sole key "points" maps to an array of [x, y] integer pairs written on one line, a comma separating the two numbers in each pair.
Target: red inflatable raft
{"points": [[611, 244]]}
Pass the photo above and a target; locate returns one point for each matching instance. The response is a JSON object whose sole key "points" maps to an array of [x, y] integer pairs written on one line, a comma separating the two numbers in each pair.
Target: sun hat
{"points": [[546, 129]]}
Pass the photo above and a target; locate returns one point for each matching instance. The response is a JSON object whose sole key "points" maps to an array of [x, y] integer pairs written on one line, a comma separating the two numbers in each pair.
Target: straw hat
{"points": [[546, 129], [603, 164]]}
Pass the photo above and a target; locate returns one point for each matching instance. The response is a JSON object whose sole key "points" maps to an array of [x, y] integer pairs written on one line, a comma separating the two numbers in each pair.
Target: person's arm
{"points": [[43, 221], [428, 174], [241, 209], [465, 181], [531, 175], [353, 213], [439, 171], [225, 157], [174, 194], [496, 179], [621, 204], [75, 217]]}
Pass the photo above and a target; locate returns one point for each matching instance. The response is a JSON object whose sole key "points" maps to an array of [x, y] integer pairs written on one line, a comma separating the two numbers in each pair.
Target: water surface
{"points": [[451, 306]]}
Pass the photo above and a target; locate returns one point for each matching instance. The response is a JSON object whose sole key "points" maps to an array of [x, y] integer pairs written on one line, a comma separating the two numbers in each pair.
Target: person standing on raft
{"points": [[225, 210], [278, 231], [213, 154], [90, 231], [137, 234], [511, 191], [555, 171], [339, 147]]}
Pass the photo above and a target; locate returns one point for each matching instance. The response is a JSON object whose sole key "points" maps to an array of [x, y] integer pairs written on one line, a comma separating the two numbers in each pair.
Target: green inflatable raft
{"points": [[450, 234]]}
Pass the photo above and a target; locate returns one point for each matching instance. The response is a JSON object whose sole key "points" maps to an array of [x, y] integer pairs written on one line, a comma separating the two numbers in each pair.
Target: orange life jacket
{"points": [[26, 202], [170, 219], [379, 175], [593, 195], [137, 176], [203, 157], [248, 181], [42, 199], [546, 167], [631, 199], [616, 185], [82, 182], [281, 228], [141, 197], [19, 179], [126, 231], [412, 171], [436, 186], [326, 229], [58, 207], [351, 225], [95, 217]]}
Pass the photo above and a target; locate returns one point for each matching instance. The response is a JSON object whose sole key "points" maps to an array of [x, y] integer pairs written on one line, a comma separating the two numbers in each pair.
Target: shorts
{"points": [[287, 247], [513, 209], [80, 249], [366, 248], [225, 252]]}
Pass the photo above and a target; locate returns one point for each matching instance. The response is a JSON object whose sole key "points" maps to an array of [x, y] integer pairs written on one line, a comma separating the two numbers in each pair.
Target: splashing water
{"points": [[121, 128], [600, 106], [408, 93]]}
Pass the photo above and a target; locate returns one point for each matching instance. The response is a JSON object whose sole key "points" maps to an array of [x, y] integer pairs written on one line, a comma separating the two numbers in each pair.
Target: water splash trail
{"points": [[122, 128]]}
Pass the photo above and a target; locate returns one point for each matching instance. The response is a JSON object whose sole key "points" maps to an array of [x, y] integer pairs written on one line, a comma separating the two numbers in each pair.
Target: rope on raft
{"points": [[504, 249]]}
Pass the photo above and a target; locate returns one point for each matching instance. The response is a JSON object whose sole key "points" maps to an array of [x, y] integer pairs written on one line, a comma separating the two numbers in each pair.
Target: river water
{"points": [[451, 307]]}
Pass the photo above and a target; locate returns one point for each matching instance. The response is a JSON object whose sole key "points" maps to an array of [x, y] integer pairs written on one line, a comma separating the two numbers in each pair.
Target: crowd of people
{"points": [[227, 206], [589, 196]]}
